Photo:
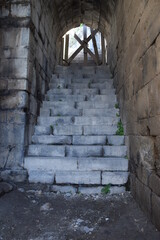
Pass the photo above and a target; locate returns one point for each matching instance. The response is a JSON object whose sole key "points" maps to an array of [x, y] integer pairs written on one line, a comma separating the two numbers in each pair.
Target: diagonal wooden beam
{"points": [[82, 46], [87, 49]]}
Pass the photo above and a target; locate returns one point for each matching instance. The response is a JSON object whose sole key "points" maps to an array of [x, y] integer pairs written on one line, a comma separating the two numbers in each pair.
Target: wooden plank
{"points": [[84, 38], [61, 52], [81, 47], [87, 49], [103, 50], [95, 46], [66, 47]]}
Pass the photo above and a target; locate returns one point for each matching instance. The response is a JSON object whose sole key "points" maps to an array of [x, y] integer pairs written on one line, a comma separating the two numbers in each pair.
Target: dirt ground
{"points": [[30, 214]]}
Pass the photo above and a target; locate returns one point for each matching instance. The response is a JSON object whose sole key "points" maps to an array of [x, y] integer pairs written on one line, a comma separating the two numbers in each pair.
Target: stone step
{"points": [[40, 130], [84, 151], [66, 112], [59, 91], [115, 151], [101, 112], [46, 150], [78, 85], [86, 91], [66, 98], [89, 140], [50, 139], [94, 105], [68, 130], [78, 177], [110, 121], [102, 164], [102, 80], [58, 85], [115, 140], [81, 80], [106, 85], [100, 130], [58, 104], [57, 81], [54, 121], [74, 163], [114, 178], [103, 98]]}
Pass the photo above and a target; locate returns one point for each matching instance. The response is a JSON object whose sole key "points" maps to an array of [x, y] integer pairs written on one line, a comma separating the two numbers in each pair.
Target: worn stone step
{"points": [[86, 91], [66, 112], [66, 98], [50, 163], [102, 164], [57, 80], [107, 91], [101, 112], [114, 178], [58, 85], [68, 130], [101, 80], [115, 151], [60, 91], [78, 85], [84, 151], [94, 105], [100, 130], [54, 121], [50, 139], [103, 98], [115, 140], [58, 104], [89, 140], [106, 85], [81, 80], [78, 177], [96, 121], [40, 130], [41, 176], [46, 150]]}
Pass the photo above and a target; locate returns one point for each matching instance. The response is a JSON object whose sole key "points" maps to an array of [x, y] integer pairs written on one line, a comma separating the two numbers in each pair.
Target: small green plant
{"points": [[58, 86], [120, 130], [60, 100], [52, 129], [106, 189], [116, 105], [117, 115], [59, 115]]}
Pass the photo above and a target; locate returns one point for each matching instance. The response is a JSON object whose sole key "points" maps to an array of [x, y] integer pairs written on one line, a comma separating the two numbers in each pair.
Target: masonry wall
{"points": [[14, 43], [136, 68], [27, 59]]}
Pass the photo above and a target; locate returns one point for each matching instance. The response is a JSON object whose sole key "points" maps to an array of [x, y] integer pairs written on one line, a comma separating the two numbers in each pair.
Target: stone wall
{"points": [[136, 68], [14, 43]]}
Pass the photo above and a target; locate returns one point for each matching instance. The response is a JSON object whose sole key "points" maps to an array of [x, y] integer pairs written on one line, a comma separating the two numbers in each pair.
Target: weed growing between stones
{"points": [[116, 106], [106, 189], [120, 130]]}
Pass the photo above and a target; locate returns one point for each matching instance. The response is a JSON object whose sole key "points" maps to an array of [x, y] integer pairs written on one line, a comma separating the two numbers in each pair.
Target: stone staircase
{"points": [[75, 147]]}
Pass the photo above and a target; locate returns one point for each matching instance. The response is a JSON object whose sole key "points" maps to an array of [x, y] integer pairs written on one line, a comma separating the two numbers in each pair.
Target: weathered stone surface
{"points": [[156, 210], [14, 100], [116, 178], [78, 177], [154, 183]]}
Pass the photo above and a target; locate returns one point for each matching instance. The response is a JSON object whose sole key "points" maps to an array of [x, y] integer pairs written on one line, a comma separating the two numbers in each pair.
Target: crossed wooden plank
{"points": [[84, 44]]}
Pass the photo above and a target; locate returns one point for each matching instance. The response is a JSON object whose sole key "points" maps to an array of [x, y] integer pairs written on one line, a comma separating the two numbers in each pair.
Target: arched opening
{"points": [[83, 45]]}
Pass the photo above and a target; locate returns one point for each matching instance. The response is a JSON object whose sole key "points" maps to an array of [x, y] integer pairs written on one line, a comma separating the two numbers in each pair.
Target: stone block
{"points": [[50, 163], [115, 140], [84, 151], [154, 183], [103, 164], [114, 178], [76, 177], [68, 130], [89, 140], [115, 151], [63, 189], [46, 151], [41, 177], [14, 175], [40, 130], [90, 190], [14, 100], [110, 121], [100, 130], [54, 121], [102, 112], [50, 140], [20, 10]]}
